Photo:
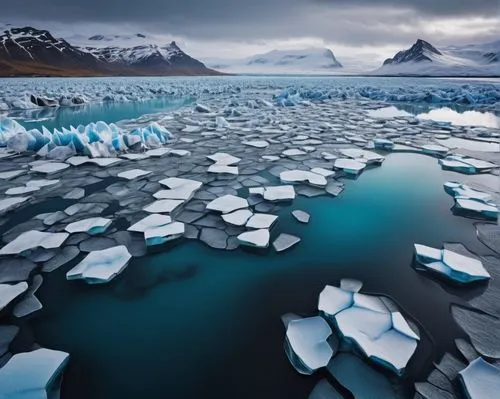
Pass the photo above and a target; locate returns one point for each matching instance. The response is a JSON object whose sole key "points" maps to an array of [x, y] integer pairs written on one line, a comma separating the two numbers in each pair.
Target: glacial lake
{"points": [[194, 322]]}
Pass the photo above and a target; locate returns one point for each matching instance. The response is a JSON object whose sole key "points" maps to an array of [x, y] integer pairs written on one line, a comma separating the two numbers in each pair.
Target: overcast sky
{"points": [[372, 29]]}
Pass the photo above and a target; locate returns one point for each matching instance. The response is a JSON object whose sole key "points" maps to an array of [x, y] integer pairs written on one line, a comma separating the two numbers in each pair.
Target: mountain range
{"points": [[423, 59], [33, 52]]}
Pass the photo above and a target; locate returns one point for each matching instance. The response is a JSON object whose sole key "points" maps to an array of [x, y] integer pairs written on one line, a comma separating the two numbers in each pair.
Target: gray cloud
{"points": [[353, 22]]}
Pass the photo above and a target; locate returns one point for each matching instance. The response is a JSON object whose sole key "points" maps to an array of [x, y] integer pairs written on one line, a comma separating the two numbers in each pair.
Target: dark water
{"points": [[194, 322], [84, 114]]}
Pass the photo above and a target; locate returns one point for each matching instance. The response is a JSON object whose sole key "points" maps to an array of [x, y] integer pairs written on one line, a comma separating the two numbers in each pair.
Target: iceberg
{"points": [[383, 336], [480, 379], [33, 375], [102, 266], [306, 343], [90, 226], [95, 139], [33, 239], [451, 265]]}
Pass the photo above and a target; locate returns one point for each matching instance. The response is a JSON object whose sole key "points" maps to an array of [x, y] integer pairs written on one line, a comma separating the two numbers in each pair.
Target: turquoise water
{"points": [[194, 322], [84, 114]]}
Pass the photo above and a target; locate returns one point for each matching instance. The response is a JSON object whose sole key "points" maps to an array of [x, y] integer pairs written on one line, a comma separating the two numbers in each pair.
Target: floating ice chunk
{"points": [[133, 174], [348, 284], [227, 204], [285, 241], [49, 168], [158, 152], [466, 164], [180, 153], [332, 300], [33, 239], [101, 266], [274, 193], [366, 321], [13, 270], [67, 254], [435, 149], [485, 209], [21, 190], [11, 174], [307, 339], [480, 379], [163, 206], [182, 189], [362, 156], [150, 222], [323, 172], [161, 234], [256, 143], [90, 226], [76, 193], [222, 158], [33, 375], [7, 335], [237, 218], [293, 152], [349, 166], [400, 324], [222, 123], [451, 265], [383, 144], [271, 158], [256, 238], [10, 292], [30, 303], [302, 176], [40, 183], [8, 204], [81, 160], [301, 216], [134, 156], [462, 190], [202, 108], [261, 221], [230, 170]]}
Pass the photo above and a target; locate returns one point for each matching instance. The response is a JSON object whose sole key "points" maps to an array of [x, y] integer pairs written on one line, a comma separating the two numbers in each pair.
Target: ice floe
{"points": [[150, 222], [161, 234], [261, 221], [469, 199], [466, 165], [285, 241], [90, 226], [133, 174], [256, 238], [227, 204], [363, 156], [480, 379], [238, 218], [102, 266], [349, 166], [163, 206], [449, 264], [274, 193], [383, 336], [9, 292], [301, 216], [308, 346], [33, 239], [181, 189], [302, 176], [49, 168]]}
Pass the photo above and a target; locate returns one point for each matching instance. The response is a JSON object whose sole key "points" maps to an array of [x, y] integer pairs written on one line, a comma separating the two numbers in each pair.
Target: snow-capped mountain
{"points": [[423, 59], [26, 50], [29, 51], [311, 60]]}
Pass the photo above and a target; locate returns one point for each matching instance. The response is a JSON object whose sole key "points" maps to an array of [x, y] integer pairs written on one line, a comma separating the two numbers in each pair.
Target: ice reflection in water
{"points": [[467, 118]]}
